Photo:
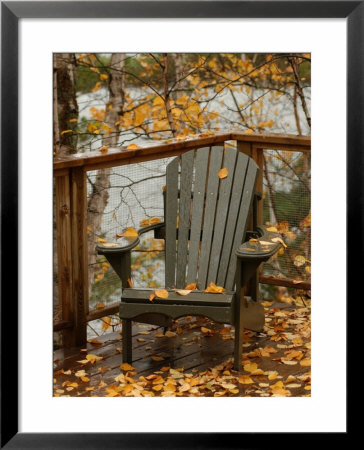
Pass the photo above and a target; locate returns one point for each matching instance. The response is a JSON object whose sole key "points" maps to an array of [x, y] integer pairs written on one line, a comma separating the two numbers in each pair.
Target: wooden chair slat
{"points": [[242, 222], [236, 194], [194, 297], [187, 161], [216, 155], [201, 165], [171, 221], [221, 214]]}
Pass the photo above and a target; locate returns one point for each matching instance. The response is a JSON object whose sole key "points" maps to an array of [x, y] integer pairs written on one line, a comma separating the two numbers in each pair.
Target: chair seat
{"points": [[193, 298]]}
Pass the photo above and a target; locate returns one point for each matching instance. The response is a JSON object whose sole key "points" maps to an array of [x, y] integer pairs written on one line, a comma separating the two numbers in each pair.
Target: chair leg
{"points": [[238, 343], [127, 341]]}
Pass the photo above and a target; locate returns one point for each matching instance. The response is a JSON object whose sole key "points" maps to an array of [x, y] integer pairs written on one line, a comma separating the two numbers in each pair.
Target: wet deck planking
{"points": [[190, 351]]}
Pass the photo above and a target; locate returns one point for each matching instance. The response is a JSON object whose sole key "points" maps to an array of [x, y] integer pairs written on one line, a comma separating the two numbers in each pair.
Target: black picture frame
{"points": [[11, 12]]}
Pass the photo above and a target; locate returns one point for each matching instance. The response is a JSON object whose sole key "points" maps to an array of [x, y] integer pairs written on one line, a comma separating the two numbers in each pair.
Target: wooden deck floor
{"points": [[193, 362]]}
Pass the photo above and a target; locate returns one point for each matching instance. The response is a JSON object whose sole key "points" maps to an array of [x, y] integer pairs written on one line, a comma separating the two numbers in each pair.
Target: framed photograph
{"points": [[32, 35]]}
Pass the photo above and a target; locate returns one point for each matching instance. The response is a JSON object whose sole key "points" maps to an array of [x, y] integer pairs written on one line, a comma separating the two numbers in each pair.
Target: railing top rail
{"points": [[121, 155]]}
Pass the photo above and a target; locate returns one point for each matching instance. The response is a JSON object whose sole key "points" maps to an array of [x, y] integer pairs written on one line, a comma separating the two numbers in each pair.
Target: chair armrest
{"points": [[118, 254], [262, 248], [126, 244]]}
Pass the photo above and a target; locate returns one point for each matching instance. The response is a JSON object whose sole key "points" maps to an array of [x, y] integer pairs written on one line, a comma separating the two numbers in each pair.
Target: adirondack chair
{"points": [[205, 229]]}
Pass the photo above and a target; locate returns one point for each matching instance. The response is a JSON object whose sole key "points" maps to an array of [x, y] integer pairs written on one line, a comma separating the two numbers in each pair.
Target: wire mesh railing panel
{"points": [[119, 198], [287, 207]]}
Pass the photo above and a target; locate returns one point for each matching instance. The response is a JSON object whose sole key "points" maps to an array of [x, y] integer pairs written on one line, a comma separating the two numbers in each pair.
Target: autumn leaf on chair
{"points": [[213, 289], [161, 293], [223, 173]]}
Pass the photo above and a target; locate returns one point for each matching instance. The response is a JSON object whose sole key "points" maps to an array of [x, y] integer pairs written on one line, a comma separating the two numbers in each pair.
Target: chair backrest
{"points": [[206, 216]]}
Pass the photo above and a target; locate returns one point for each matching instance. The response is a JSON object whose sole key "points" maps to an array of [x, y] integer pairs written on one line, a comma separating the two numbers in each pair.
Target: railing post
{"points": [[80, 292], [257, 155], [63, 236], [71, 217]]}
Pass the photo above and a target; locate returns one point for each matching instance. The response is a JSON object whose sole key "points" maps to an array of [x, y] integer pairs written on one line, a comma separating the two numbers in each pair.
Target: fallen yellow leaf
{"points": [[257, 372], [223, 173], [273, 229], [207, 133], [169, 388], [191, 287], [80, 373], [83, 361], [299, 260], [234, 391], [128, 388], [93, 358], [104, 149], [183, 291], [250, 367], [147, 394], [161, 293], [132, 147], [305, 362], [113, 391], [144, 223], [126, 367], [278, 385], [278, 239], [245, 379], [129, 232], [95, 342], [213, 289], [219, 393], [170, 334], [207, 331]]}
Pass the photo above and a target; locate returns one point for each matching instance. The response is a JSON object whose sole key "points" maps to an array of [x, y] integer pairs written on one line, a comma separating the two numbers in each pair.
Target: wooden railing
{"points": [[71, 213]]}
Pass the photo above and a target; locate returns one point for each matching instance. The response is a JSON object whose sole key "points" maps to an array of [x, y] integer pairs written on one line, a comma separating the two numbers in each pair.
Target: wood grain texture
{"points": [[170, 220], [80, 293], [210, 209], [187, 161], [64, 253], [241, 225], [222, 214], [121, 155], [201, 166], [236, 195]]}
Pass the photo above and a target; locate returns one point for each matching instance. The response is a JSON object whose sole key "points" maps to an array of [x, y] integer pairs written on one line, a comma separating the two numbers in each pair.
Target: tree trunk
{"points": [[65, 102], [99, 196]]}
